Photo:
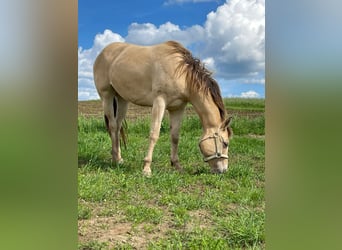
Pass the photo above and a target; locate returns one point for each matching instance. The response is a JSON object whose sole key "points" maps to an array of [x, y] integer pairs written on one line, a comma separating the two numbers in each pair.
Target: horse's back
{"points": [[139, 73], [129, 55]]}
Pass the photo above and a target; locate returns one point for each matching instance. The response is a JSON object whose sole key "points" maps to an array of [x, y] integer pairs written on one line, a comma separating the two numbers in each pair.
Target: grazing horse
{"points": [[162, 76]]}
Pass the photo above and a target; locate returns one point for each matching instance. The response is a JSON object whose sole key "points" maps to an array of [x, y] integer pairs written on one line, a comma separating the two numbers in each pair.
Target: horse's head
{"points": [[214, 147]]}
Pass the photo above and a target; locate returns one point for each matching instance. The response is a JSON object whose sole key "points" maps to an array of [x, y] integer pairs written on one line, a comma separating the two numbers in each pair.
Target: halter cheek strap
{"points": [[218, 147]]}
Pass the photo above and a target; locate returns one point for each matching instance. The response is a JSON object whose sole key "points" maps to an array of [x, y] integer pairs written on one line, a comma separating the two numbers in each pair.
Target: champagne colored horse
{"points": [[163, 76]]}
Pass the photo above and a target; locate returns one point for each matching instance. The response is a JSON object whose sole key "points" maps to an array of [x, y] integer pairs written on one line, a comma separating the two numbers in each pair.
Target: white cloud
{"points": [[250, 94], [235, 36], [148, 33], [209, 63], [254, 81], [87, 94], [86, 58], [101, 40]]}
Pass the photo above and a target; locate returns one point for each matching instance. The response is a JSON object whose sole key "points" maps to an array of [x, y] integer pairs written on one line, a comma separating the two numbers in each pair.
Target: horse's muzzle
{"points": [[219, 167]]}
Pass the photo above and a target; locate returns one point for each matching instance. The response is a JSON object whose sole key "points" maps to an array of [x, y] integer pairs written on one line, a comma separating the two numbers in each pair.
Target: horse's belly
{"points": [[135, 95], [143, 97], [143, 85]]}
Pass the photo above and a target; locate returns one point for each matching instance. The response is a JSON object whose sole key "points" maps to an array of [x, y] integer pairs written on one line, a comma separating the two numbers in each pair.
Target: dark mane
{"points": [[198, 78]]}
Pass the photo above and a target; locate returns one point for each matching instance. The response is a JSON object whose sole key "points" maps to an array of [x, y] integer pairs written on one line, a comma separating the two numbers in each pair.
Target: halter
{"points": [[218, 139]]}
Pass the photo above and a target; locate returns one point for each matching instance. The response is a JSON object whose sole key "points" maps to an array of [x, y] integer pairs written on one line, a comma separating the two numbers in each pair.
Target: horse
{"points": [[163, 76]]}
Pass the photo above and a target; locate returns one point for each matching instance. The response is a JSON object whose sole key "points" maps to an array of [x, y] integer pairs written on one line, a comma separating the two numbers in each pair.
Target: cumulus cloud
{"points": [[86, 58], [209, 63], [254, 81], [250, 94], [235, 36], [148, 33]]}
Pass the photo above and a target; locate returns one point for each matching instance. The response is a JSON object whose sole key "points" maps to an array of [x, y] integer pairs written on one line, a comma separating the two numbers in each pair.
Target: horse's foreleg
{"points": [[158, 110], [175, 123]]}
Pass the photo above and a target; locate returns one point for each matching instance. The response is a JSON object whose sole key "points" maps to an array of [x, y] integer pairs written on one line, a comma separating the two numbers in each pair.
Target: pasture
{"points": [[119, 208]]}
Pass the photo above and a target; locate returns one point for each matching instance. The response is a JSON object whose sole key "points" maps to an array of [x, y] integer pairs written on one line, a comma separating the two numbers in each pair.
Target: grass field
{"points": [[118, 208]]}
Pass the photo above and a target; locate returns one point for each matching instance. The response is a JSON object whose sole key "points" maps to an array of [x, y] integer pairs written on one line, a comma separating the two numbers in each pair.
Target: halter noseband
{"points": [[218, 139]]}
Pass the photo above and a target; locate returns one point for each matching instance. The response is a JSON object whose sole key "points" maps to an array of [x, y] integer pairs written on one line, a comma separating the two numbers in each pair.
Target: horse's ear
{"points": [[226, 124]]}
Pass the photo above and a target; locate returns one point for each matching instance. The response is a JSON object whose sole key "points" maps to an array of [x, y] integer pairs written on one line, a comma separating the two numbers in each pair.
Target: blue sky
{"points": [[229, 36], [96, 16]]}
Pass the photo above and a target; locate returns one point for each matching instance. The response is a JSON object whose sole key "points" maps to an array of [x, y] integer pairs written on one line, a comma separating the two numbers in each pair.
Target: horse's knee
{"points": [[154, 137]]}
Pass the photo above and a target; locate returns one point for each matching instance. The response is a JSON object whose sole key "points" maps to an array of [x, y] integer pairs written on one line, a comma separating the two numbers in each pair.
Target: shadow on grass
{"points": [[106, 164], [91, 163], [103, 162]]}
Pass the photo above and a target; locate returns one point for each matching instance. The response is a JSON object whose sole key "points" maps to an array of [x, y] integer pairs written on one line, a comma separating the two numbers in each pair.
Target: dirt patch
{"points": [[94, 109], [115, 233], [106, 229], [90, 108], [199, 219]]}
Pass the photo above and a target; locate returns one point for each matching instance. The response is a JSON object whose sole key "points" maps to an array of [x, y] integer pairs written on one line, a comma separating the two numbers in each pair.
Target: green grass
{"points": [[252, 104], [190, 210]]}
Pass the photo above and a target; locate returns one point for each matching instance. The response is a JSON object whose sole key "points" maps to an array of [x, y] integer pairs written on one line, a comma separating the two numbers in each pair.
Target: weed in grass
{"points": [[149, 228], [84, 212], [138, 214], [180, 216], [93, 245], [108, 211], [197, 239], [124, 246]]}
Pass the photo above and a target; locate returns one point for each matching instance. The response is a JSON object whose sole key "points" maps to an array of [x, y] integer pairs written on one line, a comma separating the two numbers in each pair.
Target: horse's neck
{"points": [[208, 112]]}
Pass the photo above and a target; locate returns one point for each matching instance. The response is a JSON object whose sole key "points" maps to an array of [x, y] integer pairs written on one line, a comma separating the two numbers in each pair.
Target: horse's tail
{"points": [[123, 133], [123, 129]]}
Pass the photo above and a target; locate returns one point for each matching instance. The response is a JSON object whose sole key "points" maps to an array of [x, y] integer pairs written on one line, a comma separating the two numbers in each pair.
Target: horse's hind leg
{"points": [[111, 108], [175, 122], [122, 106]]}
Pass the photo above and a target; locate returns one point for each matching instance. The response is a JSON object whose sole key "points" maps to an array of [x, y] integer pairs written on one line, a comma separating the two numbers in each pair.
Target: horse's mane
{"points": [[198, 78]]}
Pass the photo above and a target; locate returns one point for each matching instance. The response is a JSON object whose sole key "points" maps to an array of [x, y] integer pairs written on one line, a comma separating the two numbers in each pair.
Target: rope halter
{"points": [[218, 141]]}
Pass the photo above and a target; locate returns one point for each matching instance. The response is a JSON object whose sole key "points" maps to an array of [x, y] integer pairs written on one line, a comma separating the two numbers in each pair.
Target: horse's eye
{"points": [[225, 144]]}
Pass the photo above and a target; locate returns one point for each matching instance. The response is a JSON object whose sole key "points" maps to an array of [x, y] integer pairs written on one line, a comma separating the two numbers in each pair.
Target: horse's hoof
{"points": [[116, 163], [147, 173], [179, 168]]}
